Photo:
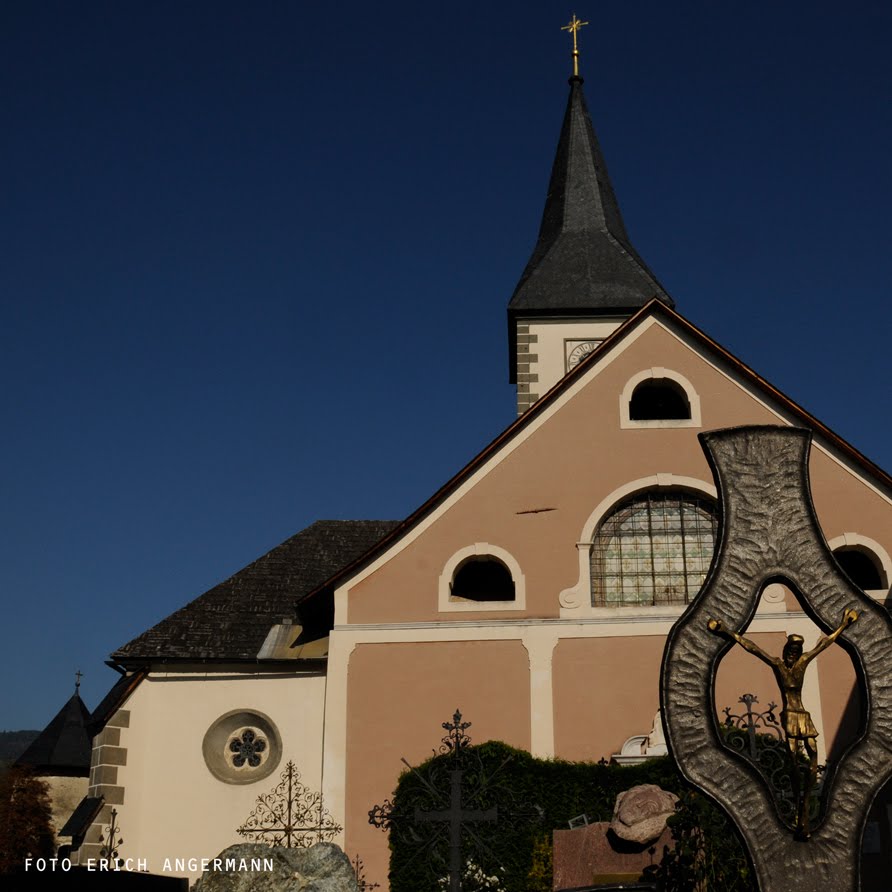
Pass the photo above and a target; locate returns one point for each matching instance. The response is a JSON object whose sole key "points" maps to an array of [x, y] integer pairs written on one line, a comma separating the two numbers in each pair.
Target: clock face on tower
{"points": [[577, 351]]}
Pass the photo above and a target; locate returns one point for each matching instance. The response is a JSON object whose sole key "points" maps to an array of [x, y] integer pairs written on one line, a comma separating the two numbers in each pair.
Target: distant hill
{"points": [[13, 744]]}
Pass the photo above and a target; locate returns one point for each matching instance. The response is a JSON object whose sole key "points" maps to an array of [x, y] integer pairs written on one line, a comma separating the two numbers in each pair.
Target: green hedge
{"points": [[534, 797]]}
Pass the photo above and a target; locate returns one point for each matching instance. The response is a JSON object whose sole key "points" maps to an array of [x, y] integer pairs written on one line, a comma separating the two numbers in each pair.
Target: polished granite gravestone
{"points": [[617, 851], [593, 855]]}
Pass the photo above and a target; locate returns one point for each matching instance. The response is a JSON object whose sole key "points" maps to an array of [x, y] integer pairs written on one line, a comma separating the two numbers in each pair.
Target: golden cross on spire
{"points": [[573, 28]]}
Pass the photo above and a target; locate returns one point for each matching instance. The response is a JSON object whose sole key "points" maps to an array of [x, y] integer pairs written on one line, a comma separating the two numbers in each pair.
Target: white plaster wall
{"points": [[551, 346], [65, 796], [173, 806]]}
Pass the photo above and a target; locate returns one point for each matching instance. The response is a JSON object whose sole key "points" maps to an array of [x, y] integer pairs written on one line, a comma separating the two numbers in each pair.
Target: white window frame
{"points": [[576, 602], [480, 549], [656, 373], [857, 542]]}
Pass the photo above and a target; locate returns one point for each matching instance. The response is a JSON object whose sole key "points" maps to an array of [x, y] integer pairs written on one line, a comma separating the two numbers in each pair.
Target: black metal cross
{"points": [[456, 816], [461, 760], [291, 815]]}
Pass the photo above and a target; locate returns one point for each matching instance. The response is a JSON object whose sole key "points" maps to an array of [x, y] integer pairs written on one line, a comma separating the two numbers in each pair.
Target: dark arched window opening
{"points": [[861, 567], [483, 578], [659, 399], [653, 549]]}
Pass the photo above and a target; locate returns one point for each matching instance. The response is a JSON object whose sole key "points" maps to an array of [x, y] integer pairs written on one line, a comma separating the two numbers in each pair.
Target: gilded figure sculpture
{"points": [[799, 729]]}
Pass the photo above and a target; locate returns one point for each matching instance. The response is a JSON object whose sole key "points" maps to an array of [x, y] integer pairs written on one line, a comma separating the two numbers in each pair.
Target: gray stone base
{"points": [[322, 868]]}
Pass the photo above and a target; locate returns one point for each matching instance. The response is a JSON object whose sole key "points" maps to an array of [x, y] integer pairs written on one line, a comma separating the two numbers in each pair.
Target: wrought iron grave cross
{"points": [[291, 815], [463, 763], [456, 816]]}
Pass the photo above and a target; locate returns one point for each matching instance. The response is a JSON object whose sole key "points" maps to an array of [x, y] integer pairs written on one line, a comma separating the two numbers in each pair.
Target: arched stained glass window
{"points": [[653, 549]]}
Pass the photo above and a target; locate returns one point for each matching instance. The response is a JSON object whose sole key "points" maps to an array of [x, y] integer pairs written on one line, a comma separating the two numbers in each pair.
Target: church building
{"points": [[533, 591]]}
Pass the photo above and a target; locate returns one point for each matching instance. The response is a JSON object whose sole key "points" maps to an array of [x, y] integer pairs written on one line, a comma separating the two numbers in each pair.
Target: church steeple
{"points": [[583, 266]]}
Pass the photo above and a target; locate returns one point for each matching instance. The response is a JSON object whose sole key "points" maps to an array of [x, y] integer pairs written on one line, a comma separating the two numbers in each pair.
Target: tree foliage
{"points": [[26, 827]]}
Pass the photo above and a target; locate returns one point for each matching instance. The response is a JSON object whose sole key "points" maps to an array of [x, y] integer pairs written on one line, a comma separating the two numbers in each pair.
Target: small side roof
{"points": [[64, 744], [231, 621], [115, 699], [81, 818]]}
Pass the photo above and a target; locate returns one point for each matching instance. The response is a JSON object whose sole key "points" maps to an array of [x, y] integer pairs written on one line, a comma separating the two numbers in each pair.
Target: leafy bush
{"points": [[540, 877], [707, 855], [533, 797]]}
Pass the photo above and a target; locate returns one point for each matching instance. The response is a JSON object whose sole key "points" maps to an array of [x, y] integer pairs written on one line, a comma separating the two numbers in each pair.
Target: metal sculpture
{"points": [[462, 795], [359, 870], [759, 737], [455, 815], [799, 729], [291, 815], [754, 723], [111, 839], [769, 533]]}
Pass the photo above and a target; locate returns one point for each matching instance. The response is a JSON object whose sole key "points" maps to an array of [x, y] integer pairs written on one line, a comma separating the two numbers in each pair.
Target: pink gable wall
{"points": [[570, 464], [604, 689]]}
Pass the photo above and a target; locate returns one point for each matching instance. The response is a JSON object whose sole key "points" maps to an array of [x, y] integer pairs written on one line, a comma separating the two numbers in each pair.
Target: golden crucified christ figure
{"points": [[789, 671]]}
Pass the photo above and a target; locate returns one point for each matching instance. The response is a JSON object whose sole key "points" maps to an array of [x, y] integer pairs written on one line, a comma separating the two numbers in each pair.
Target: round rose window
{"points": [[242, 747]]}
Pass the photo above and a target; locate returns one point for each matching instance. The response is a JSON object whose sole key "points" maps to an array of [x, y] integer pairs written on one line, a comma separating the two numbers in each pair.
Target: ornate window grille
{"points": [[653, 549], [248, 748]]}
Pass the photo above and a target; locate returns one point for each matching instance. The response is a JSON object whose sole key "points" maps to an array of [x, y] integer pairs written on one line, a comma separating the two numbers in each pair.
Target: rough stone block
{"points": [[110, 736], [112, 755], [321, 868], [113, 795], [104, 774], [121, 719]]}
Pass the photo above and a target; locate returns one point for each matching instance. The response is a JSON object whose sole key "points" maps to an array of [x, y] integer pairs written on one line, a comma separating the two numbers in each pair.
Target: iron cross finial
{"points": [[77, 681], [455, 739], [573, 27]]}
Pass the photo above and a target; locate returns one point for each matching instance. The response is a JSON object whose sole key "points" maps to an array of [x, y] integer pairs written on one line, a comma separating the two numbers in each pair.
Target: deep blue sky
{"points": [[255, 258]]}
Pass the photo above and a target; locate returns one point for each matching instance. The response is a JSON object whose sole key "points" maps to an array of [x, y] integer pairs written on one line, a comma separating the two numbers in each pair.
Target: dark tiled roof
{"points": [[231, 621], [64, 744], [583, 261]]}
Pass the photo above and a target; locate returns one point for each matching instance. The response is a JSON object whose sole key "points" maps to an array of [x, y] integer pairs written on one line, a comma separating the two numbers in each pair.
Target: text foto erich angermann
{"points": [[171, 865]]}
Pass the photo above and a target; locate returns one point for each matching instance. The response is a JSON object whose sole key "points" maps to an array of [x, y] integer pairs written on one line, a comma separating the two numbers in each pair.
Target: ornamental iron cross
{"points": [[456, 817], [461, 763], [291, 815]]}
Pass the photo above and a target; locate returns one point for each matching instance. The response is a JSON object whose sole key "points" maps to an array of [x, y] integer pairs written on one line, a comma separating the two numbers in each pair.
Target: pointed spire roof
{"points": [[63, 747], [583, 262]]}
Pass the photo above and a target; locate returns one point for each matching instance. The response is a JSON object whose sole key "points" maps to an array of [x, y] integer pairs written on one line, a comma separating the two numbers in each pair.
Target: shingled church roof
{"points": [[63, 747], [231, 621], [583, 262]]}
